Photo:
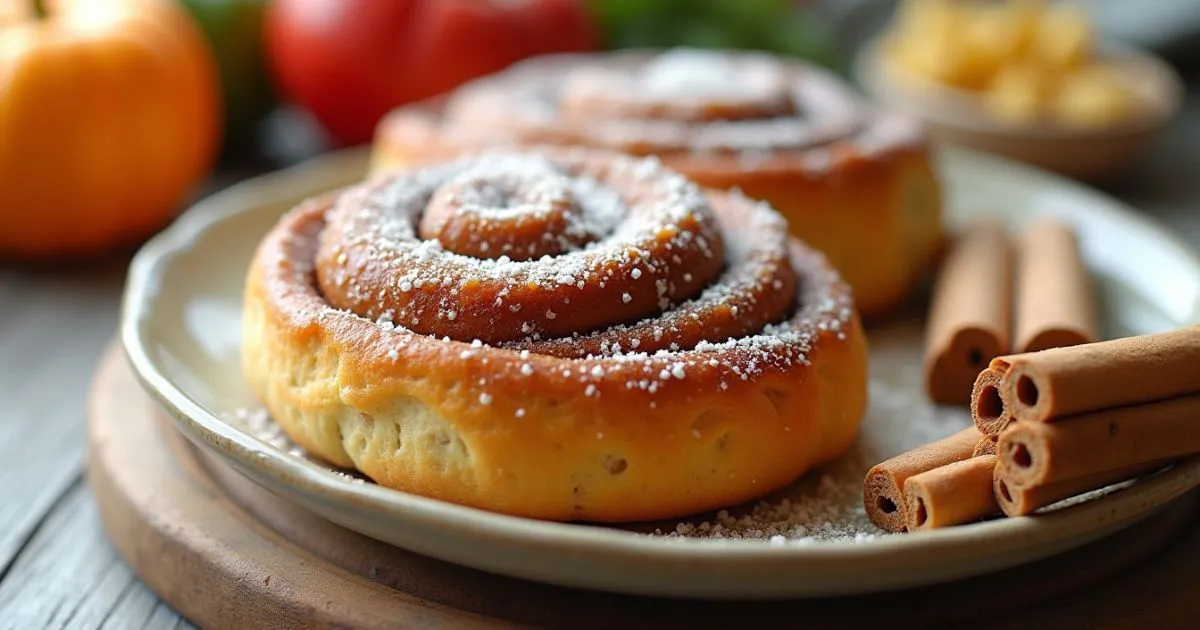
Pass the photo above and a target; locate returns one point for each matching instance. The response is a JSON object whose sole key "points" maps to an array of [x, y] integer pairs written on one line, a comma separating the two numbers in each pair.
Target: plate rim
{"points": [[244, 450]]}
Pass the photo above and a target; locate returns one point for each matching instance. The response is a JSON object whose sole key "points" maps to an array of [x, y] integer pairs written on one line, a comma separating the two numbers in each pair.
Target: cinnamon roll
{"points": [[852, 181], [564, 334]]}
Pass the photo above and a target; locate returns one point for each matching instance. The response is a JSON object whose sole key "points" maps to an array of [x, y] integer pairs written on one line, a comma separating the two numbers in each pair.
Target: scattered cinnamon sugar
{"points": [[830, 510], [257, 422]]}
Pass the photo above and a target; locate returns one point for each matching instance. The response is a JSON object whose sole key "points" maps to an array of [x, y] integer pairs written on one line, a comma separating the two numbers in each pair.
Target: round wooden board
{"points": [[226, 553]]}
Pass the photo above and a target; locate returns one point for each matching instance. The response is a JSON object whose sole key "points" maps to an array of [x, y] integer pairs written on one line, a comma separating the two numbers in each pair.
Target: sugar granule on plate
{"points": [[257, 422], [830, 509]]}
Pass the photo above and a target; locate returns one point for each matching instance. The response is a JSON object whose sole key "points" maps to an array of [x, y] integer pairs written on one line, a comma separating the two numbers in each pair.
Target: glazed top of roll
{"points": [[622, 268], [737, 110]]}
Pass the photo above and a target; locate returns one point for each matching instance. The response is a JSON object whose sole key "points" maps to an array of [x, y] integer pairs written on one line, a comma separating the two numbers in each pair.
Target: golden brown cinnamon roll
{"points": [[563, 335], [853, 182]]}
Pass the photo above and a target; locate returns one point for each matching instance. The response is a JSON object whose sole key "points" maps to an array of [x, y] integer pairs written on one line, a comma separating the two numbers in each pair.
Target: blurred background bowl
{"points": [[958, 116]]}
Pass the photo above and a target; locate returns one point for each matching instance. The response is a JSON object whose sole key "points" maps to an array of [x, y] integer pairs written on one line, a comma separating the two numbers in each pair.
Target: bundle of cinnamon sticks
{"points": [[1062, 422], [1055, 413], [981, 309], [1089, 416]]}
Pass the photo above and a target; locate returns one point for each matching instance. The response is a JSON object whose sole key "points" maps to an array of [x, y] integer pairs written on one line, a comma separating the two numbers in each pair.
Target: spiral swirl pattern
{"points": [[631, 256], [746, 104]]}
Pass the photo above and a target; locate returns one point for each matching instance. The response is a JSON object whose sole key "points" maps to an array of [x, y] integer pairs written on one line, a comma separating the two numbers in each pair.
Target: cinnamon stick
{"points": [[959, 492], [1043, 386], [1055, 307], [969, 317], [1041, 453], [1019, 500], [989, 410], [883, 495], [985, 446]]}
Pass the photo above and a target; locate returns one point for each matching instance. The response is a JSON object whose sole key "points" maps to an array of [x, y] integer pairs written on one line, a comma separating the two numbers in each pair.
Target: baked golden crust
{"points": [[853, 182], [533, 427]]}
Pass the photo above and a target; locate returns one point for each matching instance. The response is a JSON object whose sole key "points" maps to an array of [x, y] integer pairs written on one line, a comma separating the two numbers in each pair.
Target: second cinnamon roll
{"points": [[852, 181], [565, 334]]}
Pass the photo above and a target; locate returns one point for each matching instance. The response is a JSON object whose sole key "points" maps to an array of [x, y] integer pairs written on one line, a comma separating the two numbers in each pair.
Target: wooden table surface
{"points": [[56, 568]]}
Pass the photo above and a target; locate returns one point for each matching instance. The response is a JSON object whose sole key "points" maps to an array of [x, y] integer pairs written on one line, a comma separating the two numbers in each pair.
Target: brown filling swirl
{"points": [[664, 101], [567, 253]]}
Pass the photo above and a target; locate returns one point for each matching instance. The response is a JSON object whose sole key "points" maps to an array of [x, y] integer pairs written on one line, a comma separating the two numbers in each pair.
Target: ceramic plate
{"points": [[181, 330]]}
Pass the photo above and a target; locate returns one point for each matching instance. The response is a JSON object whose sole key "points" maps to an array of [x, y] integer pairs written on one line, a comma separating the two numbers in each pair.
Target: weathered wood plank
{"points": [[69, 577], [162, 618], [139, 608], [53, 326]]}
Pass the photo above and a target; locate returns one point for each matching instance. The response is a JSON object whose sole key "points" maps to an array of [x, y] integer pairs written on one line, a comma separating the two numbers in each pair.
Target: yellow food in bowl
{"points": [[1092, 96], [1028, 60], [1018, 93]]}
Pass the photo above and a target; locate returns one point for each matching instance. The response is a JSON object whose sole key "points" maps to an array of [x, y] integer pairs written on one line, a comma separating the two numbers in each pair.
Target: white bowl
{"points": [[958, 116]]}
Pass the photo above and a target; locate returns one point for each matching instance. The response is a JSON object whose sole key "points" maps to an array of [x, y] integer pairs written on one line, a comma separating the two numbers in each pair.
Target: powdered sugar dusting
{"points": [[518, 207], [691, 73], [373, 262], [685, 82]]}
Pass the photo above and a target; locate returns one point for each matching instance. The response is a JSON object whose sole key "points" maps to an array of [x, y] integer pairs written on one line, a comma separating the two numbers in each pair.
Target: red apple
{"points": [[351, 61]]}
